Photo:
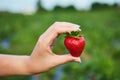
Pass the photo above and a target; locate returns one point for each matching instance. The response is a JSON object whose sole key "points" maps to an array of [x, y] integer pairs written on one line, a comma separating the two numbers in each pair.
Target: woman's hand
{"points": [[42, 58]]}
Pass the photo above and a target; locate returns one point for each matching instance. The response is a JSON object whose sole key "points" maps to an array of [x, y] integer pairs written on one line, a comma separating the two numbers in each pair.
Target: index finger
{"points": [[63, 27], [56, 29]]}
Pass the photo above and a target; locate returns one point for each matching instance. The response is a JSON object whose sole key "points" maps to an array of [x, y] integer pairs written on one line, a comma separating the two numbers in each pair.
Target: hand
{"points": [[42, 58]]}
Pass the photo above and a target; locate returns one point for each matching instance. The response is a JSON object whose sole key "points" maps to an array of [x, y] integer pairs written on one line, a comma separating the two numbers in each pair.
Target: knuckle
{"points": [[55, 26], [57, 23]]}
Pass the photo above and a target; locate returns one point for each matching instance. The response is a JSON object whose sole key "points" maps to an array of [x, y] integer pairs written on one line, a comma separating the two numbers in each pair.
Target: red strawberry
{"points": [[74, 43]]}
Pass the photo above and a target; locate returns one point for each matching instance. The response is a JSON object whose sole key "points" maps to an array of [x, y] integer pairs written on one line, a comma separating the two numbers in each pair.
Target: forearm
{"points": [[42, 58], [13, 65]]}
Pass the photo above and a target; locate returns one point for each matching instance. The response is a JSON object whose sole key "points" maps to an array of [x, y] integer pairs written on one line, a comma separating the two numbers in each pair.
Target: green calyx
{"points": [[74, 34]]}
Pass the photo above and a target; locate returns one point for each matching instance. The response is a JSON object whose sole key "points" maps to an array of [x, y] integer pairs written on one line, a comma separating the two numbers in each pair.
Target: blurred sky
{"points": [[30, 5]]}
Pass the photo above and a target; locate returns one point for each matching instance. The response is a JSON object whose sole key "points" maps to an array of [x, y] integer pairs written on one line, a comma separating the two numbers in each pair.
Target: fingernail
{"points": [[78, 60], [79, 29], [78, 26]]}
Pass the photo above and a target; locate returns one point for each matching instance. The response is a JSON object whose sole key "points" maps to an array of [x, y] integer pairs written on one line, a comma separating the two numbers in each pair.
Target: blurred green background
{"points": [[100, 27]]}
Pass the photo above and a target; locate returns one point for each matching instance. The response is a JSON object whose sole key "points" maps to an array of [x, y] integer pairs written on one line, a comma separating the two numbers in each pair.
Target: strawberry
{"points": [[74, 43]]}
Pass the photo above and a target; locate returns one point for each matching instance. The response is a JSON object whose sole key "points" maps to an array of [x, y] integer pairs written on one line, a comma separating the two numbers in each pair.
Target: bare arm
{"points": [[42, 58], [13, 65]]}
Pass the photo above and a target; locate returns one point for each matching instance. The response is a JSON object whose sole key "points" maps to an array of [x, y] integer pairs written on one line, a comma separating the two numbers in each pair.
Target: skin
{"points": [[42, 58]]}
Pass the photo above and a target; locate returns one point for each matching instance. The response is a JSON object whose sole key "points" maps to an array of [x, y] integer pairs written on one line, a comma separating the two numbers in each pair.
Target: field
{"points": [[101, 29]]}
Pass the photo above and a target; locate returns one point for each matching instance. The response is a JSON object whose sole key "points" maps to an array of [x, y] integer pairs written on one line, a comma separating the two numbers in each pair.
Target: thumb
{"points": [[62, 59]]}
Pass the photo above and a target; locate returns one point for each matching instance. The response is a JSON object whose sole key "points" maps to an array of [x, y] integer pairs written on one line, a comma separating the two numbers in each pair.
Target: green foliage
{"points": [[101, 29], [74, 34], [15, 78]]}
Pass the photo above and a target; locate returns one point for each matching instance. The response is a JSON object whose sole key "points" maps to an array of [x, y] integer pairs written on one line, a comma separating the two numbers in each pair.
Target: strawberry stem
{"points": [[74, 34]]}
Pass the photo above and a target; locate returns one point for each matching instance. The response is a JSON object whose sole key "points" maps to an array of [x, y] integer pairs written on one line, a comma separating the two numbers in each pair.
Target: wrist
{"points": [[33, 66]]}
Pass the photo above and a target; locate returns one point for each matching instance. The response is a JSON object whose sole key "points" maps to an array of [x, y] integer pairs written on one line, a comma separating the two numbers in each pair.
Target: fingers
{"points": [[50, 35], [62, 59], [63, 27]]}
